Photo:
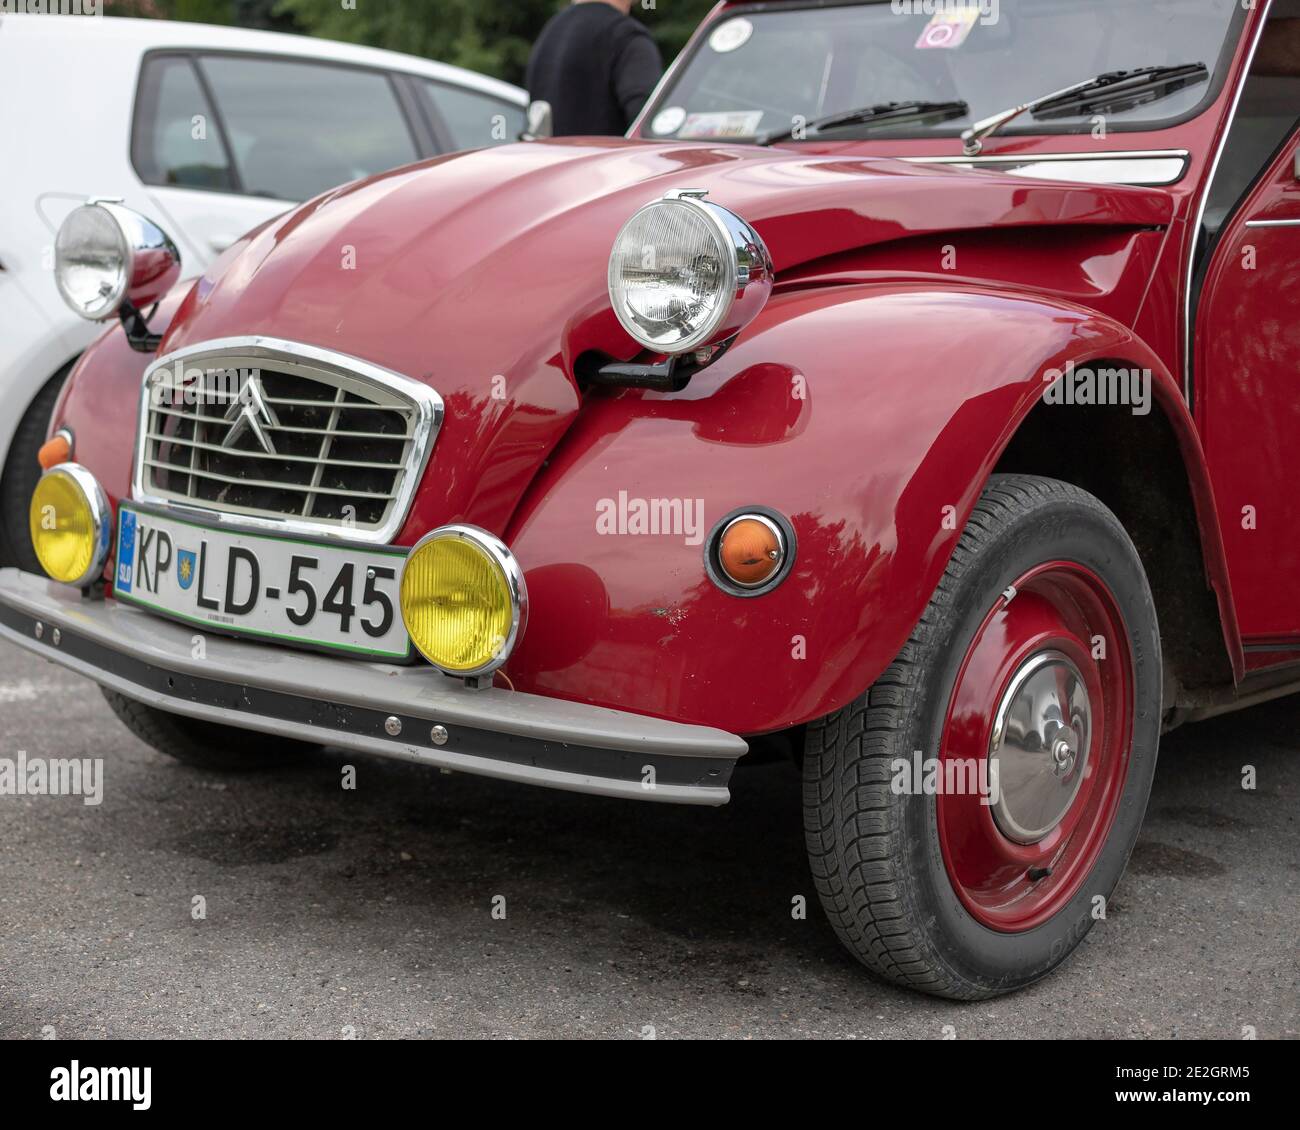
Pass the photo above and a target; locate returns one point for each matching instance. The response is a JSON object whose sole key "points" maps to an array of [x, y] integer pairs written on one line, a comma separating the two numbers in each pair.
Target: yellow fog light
{"points": [[463, 600], [70, 527]]}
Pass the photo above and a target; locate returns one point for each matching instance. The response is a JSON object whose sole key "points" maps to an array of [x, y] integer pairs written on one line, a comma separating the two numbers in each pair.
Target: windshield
{"points": [[767, 67]]}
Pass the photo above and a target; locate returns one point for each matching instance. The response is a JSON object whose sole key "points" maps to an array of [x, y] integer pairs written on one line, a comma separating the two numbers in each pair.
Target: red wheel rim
{"points": [[1043, 705]]}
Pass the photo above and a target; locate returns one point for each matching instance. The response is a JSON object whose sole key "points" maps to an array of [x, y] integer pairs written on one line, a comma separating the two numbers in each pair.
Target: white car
{"points": [[209, 131]]}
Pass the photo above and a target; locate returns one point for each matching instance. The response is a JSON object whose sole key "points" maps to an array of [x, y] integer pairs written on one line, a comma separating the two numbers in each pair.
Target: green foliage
{"points": [[490, 36], [487, 36], [192, 11]]}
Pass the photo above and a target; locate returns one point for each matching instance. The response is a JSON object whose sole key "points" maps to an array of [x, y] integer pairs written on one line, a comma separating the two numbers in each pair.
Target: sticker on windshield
{"points": [[731, 35], [948, 28], [669, 120], [724, 123]]}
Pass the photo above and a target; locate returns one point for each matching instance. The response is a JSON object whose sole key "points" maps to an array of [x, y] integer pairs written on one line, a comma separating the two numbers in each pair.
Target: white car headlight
{"points": [[106, 255], [686, 273]]}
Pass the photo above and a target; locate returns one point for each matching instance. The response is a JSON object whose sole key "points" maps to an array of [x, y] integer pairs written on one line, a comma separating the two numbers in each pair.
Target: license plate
{"points": [[296, 592]]}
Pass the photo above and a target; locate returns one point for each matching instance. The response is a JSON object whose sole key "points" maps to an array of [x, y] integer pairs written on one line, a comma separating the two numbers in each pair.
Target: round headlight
{"points": [[92, 262], [106, 255], [70, 526], [463, 600], [686, 273]]}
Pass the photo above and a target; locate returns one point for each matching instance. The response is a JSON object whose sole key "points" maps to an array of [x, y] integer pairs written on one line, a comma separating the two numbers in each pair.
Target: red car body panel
{"points": [[437, 248], [867, 498], [485, 271]]}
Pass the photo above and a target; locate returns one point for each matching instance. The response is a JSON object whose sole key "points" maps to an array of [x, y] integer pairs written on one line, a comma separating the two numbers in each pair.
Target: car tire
{"points": [[21, 472], [1042, 615], [205, 745]]}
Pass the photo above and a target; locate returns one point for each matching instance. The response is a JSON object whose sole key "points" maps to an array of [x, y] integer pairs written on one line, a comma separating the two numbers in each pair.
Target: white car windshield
{"points": [[761, 69]]}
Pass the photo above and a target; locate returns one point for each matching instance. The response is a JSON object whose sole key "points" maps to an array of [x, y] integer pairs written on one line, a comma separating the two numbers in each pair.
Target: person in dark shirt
{"points": [[596, 66]]}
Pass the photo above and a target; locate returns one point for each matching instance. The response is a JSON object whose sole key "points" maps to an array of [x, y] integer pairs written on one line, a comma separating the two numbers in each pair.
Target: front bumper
{"points": [[350, 704]]}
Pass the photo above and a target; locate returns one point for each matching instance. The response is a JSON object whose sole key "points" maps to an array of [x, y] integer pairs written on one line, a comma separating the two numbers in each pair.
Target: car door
{"points": [[1246, 358], [225, 141]]}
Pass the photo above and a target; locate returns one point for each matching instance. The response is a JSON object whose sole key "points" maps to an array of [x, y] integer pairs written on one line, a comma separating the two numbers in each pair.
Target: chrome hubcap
{"points": [[1041, 735]]}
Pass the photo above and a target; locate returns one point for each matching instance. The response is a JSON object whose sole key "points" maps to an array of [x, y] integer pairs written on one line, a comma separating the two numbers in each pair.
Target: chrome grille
{"points": [[275, 433]]}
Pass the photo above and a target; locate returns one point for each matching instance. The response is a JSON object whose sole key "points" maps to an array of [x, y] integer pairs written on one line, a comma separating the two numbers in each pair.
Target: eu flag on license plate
{"points": [[126, 551]]}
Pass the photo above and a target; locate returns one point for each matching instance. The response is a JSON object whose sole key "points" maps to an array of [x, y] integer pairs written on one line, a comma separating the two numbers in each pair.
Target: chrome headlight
{"points": [[105, 255], [686, 273]]}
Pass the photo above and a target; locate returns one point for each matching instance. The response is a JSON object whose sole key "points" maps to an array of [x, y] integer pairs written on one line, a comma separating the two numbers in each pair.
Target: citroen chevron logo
{"points": [[250, 412]]}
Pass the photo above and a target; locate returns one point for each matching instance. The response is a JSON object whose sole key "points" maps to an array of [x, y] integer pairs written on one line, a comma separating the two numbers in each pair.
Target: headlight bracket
{"points": [[672, 374], [136, 325]]}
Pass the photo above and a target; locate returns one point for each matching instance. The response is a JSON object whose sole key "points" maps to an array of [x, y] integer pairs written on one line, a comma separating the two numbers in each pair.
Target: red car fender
{"points": [[100, 402], [871, 416]]}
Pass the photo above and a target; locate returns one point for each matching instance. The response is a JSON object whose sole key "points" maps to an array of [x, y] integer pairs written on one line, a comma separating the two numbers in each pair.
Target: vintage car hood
{"points": [[483, 274]]}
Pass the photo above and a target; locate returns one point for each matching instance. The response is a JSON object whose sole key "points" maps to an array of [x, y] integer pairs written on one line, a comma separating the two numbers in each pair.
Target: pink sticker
{"points": [[948, 29]]}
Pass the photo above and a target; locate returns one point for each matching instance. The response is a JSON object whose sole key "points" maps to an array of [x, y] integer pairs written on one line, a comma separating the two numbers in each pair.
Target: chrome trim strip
{"points": [[425, 401], [1273, 223], [1143, 173], [1205, 200], [1031, 158], [1147, 168]]}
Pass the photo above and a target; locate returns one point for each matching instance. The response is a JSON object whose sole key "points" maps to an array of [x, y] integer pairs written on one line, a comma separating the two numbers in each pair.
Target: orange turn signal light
{"points": [[751, 551], [56, 450]]}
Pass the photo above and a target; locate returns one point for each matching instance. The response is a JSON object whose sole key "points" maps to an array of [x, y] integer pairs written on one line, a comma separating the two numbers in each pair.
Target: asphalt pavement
{"points": [[421, 904]]}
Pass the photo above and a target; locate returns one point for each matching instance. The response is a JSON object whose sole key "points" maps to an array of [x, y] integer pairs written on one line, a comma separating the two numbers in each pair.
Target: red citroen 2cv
{"points": [[913, 392]]}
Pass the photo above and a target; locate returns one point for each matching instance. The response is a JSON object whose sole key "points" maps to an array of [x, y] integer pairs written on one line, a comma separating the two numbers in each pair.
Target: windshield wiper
{"points": [[1126, 88], [891, 113]]}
